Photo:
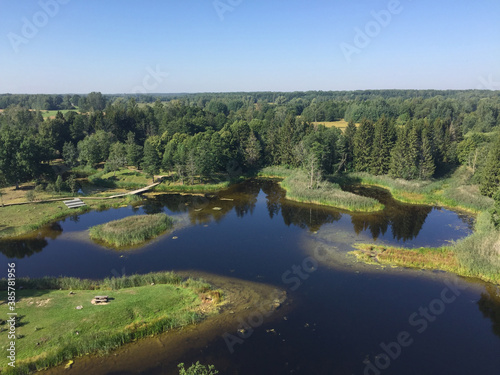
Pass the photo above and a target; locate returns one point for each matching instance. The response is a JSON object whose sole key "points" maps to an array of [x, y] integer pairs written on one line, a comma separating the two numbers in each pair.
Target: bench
{"points": [[74, 203], [99, 299]]}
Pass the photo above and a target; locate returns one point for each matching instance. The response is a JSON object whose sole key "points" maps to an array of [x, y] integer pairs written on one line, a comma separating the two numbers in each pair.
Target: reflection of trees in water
{"points": [[406, 223], [489, 305], [405, 220], [27, 246], [310, 218], [301, 215]]}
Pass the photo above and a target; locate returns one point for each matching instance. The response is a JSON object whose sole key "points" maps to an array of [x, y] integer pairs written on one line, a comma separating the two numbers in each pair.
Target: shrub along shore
{"points": [[57, 322]]}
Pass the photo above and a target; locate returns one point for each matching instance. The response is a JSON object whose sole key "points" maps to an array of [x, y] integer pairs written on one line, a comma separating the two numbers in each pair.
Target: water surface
{"points": [[340, 312]]}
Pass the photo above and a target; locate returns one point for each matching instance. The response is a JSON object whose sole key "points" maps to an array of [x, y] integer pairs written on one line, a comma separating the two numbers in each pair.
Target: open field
{"points": [[52, 114], [57, 322], [341, 124]]}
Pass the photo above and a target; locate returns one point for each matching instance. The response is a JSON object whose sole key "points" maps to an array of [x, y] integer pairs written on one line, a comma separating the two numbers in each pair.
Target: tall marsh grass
{"points": [[131, 230], [326, 193], [479, 253], [454, 192], [112, 283]]}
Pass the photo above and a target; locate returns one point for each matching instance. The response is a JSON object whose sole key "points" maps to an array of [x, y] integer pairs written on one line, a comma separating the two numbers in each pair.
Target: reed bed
{"points": [[132, 230]]}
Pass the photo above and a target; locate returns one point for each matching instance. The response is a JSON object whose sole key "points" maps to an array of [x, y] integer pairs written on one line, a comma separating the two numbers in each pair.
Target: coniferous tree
{"points": [[412, 154], [349, 134], [405, 155], [397, 167], [426, 164], [490, 178], [363, 141], [383, 142]]}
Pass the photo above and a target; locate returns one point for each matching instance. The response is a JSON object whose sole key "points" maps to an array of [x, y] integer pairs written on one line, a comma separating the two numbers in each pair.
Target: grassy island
{"points": [[57, 320], [132, 230], [326, 193]]}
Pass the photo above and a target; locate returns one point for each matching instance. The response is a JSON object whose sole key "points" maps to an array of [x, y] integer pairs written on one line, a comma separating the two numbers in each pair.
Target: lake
{"points": [[340, 317]]}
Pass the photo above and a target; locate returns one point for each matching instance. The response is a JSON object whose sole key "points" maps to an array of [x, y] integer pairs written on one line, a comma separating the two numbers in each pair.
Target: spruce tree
{"points": [[412, 153], [426, 165], [383, 142], [363, 141], [349, 134], [490, 178], [397, 167]]}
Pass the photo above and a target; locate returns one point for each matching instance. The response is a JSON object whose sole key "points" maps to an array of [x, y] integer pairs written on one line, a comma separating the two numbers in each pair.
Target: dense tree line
{"points": [[406, 134]]}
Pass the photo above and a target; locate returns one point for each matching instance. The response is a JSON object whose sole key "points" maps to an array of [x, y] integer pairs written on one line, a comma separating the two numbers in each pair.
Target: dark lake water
{"points": [[342, 314]]}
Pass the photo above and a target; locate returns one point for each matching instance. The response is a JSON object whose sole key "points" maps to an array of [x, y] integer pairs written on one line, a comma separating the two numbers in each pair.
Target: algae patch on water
{"points": [[132, 230]]}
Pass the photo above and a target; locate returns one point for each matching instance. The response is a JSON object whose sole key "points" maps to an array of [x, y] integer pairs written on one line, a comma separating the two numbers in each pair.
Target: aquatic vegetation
{"points": [[132, 230], [441, 258], [197, 369]]}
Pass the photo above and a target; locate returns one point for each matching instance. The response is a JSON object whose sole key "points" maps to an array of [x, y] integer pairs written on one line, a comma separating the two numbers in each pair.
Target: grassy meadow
{"points": [[132, 230], [51, 330], [22, 219]]}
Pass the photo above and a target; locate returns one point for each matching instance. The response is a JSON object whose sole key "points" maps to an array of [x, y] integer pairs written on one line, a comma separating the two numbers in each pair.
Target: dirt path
{"points": [[138, 191]]}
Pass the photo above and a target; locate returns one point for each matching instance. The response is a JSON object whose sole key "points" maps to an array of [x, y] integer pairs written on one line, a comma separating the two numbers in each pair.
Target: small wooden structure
{"points": [[101, 299], [74, 203]]}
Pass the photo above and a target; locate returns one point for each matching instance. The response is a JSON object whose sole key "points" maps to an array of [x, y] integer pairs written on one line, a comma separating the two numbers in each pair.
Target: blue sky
{"points": [[112, 46]]}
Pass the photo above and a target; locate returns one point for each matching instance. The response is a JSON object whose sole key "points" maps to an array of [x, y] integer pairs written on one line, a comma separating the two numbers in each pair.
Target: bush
{"points": [[197, 369], [30, 196]]}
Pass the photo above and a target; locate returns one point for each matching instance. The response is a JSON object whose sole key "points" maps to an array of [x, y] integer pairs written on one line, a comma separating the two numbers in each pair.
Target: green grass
{"points": [[295, 183], [51, 331], [479, 253], [21, 220], [132, 230], [53, 113], [442, 258], [123, 178], [453, 192], [198, 188]]}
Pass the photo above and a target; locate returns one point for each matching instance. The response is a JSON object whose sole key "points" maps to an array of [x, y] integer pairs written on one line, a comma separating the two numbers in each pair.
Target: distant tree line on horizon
{"points": [[407, 134]]}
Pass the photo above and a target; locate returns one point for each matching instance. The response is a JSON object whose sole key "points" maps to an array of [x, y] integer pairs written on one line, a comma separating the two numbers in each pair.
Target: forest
{"points": [[408, 134]]}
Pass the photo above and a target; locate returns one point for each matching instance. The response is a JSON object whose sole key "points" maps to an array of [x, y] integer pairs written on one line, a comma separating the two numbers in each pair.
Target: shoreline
{"points": [[166, 350], [424, 258], [184, 302]]}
